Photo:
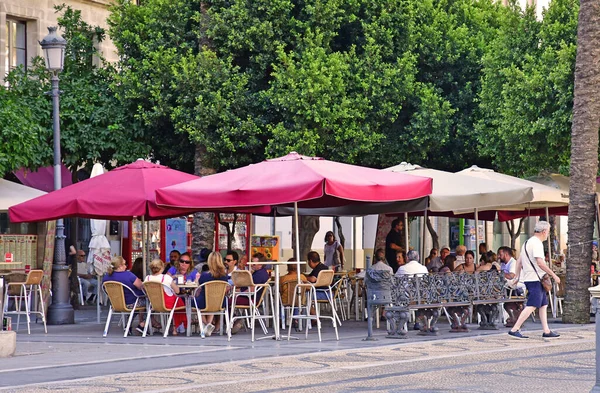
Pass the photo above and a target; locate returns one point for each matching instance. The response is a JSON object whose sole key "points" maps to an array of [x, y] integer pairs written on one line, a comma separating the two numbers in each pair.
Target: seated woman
{"points": [[216, 271], [432, 254], [170, 291], [137, 268], [488, 262], [401, 258], [449, 264], [469, 265], [184, 267], [117, 271]]}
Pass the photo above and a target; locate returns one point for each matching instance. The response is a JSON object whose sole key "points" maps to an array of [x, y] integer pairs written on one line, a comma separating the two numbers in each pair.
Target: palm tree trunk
{"points": [[584, 162]]}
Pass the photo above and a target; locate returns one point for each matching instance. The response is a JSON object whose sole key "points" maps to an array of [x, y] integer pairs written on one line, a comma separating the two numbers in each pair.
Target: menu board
{"points": [[23, 248], [266, 245]]}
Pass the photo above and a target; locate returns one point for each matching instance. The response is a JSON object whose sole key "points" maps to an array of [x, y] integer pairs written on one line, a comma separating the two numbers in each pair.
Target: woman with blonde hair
{"points": [[117, 271], [170, 291], [216, 271]]}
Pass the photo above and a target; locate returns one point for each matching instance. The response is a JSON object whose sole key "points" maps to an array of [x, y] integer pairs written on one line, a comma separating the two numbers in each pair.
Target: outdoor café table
{"points": [[187, 291], [276, 295]]}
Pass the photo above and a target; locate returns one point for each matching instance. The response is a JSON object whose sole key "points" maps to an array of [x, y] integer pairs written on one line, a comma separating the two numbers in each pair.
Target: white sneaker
{"points": [[209, 329]]}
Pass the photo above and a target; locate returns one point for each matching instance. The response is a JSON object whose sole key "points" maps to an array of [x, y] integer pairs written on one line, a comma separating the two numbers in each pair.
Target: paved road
{"points": [[475, 363]]}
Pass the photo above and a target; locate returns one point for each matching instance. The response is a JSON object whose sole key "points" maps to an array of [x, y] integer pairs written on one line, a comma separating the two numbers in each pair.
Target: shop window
{"points": [[3, 223], [16, 48]]}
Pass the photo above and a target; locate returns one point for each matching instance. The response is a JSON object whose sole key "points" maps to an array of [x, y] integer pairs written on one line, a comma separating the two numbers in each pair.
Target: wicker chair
{"points": [[214, 293], [116, 294], [244, 286], [324, 279], [156, 299], [20, 292]]}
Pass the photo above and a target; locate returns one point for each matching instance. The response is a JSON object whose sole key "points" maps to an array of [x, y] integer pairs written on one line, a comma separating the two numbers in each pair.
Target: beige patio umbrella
{"points": [[454, 192], [543, 196], [14, 193]]}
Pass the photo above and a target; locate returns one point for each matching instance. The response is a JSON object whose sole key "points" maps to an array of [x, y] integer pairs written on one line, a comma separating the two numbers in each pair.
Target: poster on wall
{"points": [[266, 245], [176, 235]]}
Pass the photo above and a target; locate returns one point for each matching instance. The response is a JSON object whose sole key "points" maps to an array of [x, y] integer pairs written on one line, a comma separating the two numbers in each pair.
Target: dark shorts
{"points": [[536, 296]]}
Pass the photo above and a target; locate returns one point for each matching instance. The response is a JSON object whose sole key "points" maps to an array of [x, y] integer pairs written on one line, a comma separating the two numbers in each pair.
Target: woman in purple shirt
{"points": [[117, 271]]}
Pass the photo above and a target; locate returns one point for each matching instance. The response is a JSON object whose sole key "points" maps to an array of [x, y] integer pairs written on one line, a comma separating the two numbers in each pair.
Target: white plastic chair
{"points": [[244, 286], [324, 279]]}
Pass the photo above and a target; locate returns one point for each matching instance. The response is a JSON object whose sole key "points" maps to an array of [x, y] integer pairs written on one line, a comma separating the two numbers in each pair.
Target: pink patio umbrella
{"points": [[124, 193], [121, 194], [304, 183], [300, 182]]}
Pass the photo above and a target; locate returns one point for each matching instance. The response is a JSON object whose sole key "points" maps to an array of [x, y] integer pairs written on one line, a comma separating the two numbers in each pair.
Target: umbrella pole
{"points": [[424, 234], [297, 240], [406, 232], [549, 240], [144, 245], [476, 235], [553, 294], [99, 281]]}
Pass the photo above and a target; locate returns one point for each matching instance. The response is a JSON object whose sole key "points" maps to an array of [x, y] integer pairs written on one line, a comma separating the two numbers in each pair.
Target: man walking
{"points": [[531, 262]]}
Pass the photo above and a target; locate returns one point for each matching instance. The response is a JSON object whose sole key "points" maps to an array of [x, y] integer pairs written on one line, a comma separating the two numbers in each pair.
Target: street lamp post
{"points": [[60, 312]]}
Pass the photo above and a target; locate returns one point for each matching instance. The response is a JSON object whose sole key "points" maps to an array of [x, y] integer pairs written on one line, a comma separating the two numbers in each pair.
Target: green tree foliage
{"points": [[365, 82], [526, 100], [94, 127]]}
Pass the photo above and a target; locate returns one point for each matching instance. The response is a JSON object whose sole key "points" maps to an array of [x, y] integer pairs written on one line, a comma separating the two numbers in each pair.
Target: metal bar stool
{"points": [[25, 289]]}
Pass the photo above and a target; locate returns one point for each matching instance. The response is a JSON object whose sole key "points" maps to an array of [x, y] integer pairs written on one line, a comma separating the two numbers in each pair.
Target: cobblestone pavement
{"points": [[490, 362]]}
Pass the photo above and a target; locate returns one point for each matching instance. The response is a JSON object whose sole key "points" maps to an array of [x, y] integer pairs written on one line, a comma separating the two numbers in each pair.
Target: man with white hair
{"points": [[413, 266], [532, 266]]}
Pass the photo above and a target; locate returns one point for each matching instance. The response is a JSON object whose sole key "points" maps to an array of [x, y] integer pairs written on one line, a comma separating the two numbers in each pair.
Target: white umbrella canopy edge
{"points": [[464, 194], [543, 196], [12, 193]]}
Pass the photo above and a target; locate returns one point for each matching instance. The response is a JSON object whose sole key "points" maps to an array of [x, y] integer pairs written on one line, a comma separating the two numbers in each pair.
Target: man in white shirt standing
{"points": [[531, 267], [413, 266]]}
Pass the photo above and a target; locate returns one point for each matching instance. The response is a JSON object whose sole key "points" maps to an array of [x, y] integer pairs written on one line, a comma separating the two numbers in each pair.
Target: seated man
{"points": [[89, 283], [413, 266], [260, 275], [460, 254], [231, 261], [314, 262], [173, 258], [437, 263], [289, 279], [379, 263]]}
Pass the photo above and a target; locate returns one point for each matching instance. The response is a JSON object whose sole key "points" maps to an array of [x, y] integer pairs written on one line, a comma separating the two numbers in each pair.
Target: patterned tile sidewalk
{"points": [[488, 363]]}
